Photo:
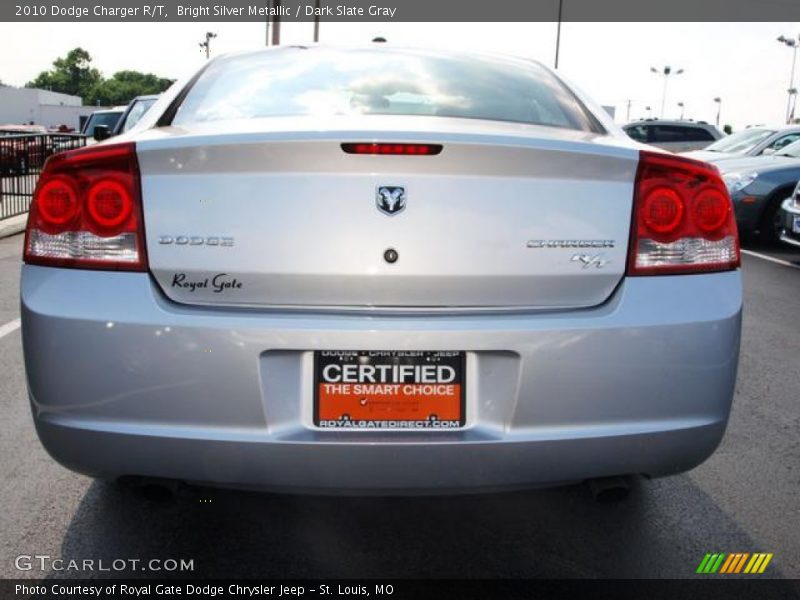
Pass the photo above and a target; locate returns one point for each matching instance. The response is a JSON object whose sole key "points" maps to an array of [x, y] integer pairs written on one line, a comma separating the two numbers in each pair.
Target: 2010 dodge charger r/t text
{"points": [[374, 269]]}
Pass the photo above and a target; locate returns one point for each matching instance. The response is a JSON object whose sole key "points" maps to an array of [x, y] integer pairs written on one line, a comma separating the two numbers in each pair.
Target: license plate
{"points": [[389, 389], [796, 225]]}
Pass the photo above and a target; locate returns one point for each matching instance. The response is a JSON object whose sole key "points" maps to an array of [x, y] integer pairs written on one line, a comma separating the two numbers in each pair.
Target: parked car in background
{"points": [[101, 123], [135, 110], [791, 218], [758, 185], [675, 136], [375, 268], [753, 141], [22, 147]]}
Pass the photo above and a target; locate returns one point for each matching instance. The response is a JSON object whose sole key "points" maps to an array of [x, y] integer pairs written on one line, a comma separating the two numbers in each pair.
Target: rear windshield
{"points": [[741, 141], [328, 82], [661, 134]]}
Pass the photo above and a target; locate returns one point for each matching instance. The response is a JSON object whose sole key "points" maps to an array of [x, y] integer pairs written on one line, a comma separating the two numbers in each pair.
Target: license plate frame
{"points": [[383, 399]]}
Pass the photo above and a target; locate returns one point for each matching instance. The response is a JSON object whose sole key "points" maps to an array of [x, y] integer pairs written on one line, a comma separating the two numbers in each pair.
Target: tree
{"points": [[72, 74], [123, 86]]}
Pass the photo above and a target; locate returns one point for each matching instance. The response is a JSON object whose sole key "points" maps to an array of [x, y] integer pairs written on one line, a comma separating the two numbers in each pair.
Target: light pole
{"points": [[276, 23], [647, 110], [558, 30], [791, 43], [666, 72], [718, 100], [628, 113], [792, 104], [207, 44], [681, 106], [316, 21], [269, 18]]}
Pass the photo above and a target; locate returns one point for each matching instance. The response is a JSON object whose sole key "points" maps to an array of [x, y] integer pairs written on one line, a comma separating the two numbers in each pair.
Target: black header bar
{"points": [[399, 10]]}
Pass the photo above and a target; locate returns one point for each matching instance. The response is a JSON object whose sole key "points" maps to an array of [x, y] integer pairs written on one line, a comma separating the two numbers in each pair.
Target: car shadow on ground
{"points": [[663, 529]]}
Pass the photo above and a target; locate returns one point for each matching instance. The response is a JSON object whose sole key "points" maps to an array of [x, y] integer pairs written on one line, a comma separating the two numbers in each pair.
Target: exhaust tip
{"points": [[609, 490], [157, 491]]}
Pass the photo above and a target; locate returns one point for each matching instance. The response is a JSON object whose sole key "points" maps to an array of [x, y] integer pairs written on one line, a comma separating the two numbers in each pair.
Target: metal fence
{"points": [[21, 160]]}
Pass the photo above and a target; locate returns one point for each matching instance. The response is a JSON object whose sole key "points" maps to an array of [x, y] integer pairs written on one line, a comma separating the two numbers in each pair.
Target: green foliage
{"points": [[727, 129], [73, 74], [123, 86]]}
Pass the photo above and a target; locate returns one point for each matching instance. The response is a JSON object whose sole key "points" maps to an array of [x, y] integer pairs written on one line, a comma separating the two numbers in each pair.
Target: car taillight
{"points": [[683, 219], [87, 211]]}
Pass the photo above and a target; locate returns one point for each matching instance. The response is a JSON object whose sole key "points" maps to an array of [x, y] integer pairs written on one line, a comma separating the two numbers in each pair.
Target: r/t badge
{"points": [[590, 260]]}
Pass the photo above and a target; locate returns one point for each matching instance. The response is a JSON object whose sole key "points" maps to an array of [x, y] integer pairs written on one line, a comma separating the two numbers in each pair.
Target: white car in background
{"points": [[753, 141]]}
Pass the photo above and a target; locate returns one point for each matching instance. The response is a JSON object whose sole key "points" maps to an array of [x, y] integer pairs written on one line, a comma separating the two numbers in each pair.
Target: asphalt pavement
{"points": [[745, 498]]}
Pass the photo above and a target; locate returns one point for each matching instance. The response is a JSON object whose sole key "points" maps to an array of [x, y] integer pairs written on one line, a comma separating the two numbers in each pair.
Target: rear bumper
{"points": [[123, 382]]}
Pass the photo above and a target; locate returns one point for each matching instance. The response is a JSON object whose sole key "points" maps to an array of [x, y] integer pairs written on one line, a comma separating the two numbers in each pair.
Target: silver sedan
{"points": [[325, 269]]}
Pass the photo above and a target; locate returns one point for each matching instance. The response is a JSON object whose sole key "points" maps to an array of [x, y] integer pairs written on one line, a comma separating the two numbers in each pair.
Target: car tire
{"points": [[771, 225]]}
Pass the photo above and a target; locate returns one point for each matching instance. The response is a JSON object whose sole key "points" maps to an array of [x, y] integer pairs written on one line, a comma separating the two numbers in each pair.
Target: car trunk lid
{"points": [[534, 219]]}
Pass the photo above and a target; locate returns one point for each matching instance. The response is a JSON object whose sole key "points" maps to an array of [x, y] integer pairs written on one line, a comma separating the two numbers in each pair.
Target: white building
{"points": [[42, 107]]}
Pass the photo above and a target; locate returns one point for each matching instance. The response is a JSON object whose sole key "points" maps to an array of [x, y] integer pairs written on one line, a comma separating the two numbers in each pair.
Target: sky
{"points": [[741, 63]]}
